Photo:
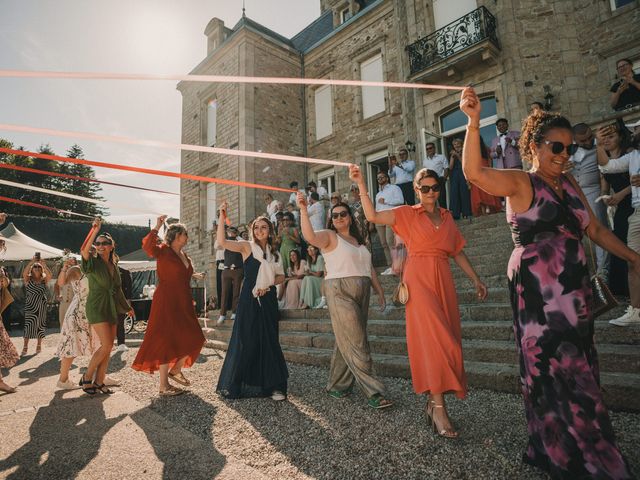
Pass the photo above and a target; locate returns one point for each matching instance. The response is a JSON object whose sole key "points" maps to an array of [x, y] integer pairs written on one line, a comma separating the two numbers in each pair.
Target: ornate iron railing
{"points": [[469, 30]]}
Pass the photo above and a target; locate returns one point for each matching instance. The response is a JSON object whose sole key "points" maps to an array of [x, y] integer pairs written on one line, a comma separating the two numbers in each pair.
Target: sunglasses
{"points": [[36, 268], [106, 243], [342, 214], [428, 188], [559, 147]]}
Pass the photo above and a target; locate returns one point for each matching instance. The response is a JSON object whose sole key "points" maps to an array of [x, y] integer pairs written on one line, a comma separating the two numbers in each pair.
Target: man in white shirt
{"points": [[631, 163], [271, 204], [583, 165], [294, 186], [388, 196], [316, 212], [402, 173], [279, 209], [439, 164]]}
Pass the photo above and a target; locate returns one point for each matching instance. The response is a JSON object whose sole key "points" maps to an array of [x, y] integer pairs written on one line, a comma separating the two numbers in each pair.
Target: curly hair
{"points": [[353, 228], [173, 231], [270, 238], [536, 126]]}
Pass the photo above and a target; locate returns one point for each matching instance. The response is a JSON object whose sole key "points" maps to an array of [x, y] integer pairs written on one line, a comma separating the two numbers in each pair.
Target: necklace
{"points": [[552, 182]]}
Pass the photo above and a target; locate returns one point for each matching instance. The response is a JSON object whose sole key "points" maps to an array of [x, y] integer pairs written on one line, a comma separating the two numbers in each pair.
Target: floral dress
{"points": [[570, 433], [8, 353], [76, 339]]}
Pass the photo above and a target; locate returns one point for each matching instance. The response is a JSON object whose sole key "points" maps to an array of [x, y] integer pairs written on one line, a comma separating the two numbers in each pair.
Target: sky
{"points": [[117, 36]]}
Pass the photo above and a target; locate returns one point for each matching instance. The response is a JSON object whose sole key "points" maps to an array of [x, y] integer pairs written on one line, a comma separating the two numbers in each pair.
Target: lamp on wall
{"points": [[410, 146], [548, 97]]}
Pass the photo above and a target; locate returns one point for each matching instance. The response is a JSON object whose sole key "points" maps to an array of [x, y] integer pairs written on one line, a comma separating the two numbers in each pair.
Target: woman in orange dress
{"points": [[434, 339], [483, 203], [173, 339]]}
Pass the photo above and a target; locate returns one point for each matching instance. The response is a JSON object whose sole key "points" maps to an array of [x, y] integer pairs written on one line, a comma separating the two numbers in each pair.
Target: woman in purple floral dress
{"points": [[570, 433]]}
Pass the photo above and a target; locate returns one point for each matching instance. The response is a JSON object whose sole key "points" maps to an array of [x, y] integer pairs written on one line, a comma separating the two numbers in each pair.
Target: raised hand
{"points": [[97, 223], [223, 209], [160, 221], [302, 200], [470, 104], [355, 174]]}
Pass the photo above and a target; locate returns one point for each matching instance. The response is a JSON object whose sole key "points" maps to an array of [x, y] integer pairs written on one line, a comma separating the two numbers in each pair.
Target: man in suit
{"points": [[504, 147]]}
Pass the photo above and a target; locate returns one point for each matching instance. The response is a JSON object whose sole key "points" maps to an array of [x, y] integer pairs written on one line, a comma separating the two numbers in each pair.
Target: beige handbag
{"points": [[401, 293]]}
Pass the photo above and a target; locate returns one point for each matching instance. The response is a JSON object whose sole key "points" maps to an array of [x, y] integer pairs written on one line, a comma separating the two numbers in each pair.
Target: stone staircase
{"points": [[488, 340]]}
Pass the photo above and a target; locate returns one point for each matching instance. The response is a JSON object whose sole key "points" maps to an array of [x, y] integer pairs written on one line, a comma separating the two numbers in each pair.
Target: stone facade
{"points": [[561, 48]]}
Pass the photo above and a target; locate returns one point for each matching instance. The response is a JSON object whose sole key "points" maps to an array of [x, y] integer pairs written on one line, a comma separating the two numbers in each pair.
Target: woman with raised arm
{"points": [[570, 433], [347, 288], [35, 276], [173, 339], [254, 365], [434, 336], [104, 301], [76, 339]]}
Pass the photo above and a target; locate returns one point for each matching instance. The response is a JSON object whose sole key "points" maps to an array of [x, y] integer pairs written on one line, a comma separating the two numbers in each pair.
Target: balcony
{"points": [[465, 41]]}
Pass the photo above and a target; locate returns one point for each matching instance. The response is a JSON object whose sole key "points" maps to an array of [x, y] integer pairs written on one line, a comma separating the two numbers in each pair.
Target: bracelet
{"points": [[364, 194], [473, 127]]}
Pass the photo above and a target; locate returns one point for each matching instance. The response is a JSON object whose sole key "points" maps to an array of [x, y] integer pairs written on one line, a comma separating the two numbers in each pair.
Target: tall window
{"points": [[446, 11], [372, 97], [345, 14], [212, 206], [212, 111], [615, 4], [453, 124], [324, 112], [327, 178]]}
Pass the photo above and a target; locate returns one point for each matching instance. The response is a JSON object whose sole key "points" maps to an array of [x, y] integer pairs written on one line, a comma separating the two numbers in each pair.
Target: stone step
{"points": [[621, 390]]}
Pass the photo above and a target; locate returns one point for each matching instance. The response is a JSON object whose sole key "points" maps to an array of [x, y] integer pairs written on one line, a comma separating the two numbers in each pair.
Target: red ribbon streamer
{"points": [[37, 205], [74, 177], [185, 176]]}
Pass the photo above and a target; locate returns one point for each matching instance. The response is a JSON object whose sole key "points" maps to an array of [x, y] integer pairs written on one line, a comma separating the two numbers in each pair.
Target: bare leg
{"points": [[634, 290], [437, 410], [65, 366], [4, 386], [103, 331], [25, 346], [101, 371], [177, 368], [164, 377]]}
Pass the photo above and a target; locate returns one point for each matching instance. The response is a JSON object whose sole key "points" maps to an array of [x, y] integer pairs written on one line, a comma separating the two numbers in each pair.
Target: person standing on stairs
{"points": [[570, 432], [347, 287], [434, 334], [173, 339]]}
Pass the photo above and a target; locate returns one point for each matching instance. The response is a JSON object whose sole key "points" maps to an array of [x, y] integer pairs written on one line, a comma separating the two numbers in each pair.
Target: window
{"points": [[615, 4], [446, 11], [372, 97], [324, 113], [345, 14], [212, 206], [453, 124], [327, 178], [212, 112], [376, 162]]}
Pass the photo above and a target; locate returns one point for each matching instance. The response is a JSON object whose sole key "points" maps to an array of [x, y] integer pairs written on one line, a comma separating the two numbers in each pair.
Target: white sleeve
{"points": [[397, 197], [617, 165], [392, 172], [411, 166]]}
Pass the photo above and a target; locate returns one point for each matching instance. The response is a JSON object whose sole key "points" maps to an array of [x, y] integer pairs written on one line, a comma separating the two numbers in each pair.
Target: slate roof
{"points": [[313, 33]]}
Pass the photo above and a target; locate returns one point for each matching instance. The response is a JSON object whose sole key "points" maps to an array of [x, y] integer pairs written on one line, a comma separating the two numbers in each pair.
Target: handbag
{"points": [[401, 293], [603, 299]]}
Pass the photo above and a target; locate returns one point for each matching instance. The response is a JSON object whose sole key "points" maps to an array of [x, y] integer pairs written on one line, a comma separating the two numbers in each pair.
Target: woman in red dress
{"points": [[483, 203], [173, 339]]}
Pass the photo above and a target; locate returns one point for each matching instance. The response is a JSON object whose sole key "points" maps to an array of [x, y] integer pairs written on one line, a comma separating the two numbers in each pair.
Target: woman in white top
{"points": [[347, 286]]}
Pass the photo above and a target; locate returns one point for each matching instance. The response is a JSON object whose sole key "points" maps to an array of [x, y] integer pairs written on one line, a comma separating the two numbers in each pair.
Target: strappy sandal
{"points": [[443, 432], [88, 390], [171, 391], [378, 402], [104, 389], [24, 352], [180, 378]]}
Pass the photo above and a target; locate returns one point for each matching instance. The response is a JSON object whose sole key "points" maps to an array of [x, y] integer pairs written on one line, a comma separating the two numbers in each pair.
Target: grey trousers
{"points": [[387, 240], [348, 301]]}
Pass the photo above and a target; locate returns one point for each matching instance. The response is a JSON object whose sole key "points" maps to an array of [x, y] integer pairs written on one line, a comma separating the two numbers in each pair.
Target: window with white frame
{"points": [[327, 178], [212, 119], [324, 112], [372, 97], [615, 4], [345, 14], [212, 206], [453, 124]]}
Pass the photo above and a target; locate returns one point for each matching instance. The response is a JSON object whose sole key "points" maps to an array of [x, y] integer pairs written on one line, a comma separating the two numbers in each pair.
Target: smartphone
{"points": [[37, 256]]}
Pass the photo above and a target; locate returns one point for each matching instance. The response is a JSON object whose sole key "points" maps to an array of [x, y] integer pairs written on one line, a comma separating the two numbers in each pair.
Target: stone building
{"points": [[559, 52]]}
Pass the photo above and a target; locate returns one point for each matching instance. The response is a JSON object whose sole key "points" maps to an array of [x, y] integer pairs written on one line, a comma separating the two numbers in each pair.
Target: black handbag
{"points": [[603, 299]]}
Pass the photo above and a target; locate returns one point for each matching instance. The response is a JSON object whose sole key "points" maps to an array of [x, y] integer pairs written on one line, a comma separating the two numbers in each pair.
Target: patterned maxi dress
{"points": [[8, 353], [35, 310], [76, 339], [570, 433]]}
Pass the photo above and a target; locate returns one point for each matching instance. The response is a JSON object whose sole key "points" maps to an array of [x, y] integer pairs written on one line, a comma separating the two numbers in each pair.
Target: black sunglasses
{"points": [[428, 188], [559, 147], [106, 243], [342, 214]]}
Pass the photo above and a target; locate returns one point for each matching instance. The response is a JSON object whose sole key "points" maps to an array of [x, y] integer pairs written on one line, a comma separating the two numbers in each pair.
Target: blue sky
{"points": [[141, 36]]}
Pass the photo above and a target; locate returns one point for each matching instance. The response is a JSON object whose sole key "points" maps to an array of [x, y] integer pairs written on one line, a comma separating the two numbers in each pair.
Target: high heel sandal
{"points": [[88, 390], [24, 352], [104, 389], [443, 432]]}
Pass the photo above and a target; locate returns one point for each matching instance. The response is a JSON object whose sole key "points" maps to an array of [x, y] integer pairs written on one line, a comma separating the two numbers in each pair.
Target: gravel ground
{"points": [[314, 435]]}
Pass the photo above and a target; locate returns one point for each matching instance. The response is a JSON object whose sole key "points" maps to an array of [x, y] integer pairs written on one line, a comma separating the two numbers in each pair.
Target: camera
{"points": [[37, 256]]}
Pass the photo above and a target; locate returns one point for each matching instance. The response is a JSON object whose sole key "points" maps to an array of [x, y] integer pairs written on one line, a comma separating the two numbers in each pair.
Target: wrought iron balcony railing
{"points": [[471, 29]]}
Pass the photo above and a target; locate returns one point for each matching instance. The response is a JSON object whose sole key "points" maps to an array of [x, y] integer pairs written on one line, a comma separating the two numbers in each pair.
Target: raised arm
{"points": [[385, 217], [239, 246], [47, 271], [26, 270], [85, 250], [68, 274], [150, 241], [501, 183], [321, 239]]}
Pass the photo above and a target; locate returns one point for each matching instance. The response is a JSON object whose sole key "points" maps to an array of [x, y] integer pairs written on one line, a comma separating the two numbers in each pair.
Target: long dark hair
{"points": [[113, 256], [353, 228], [270, 238]]}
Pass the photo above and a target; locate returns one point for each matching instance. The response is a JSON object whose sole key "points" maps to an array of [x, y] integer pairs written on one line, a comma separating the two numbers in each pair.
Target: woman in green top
{"points": [[104, 302], [311, 287], [289, 239]]}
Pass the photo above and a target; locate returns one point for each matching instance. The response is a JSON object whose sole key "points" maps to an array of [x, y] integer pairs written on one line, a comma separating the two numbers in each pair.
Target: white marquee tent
{"points": [[22, 247]]}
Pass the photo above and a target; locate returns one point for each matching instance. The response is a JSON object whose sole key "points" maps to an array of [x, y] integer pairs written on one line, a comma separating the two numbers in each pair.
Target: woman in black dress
{"points": [[254, 365]]}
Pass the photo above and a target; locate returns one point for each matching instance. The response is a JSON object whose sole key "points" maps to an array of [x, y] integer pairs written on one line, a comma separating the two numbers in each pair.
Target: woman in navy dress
{"points": [[254, 365]]}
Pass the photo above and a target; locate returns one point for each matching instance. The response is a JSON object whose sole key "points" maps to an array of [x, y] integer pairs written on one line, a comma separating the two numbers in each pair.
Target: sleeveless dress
{"points": [[287, 244], [173, 331], [254, 365], [8, 353], [76, 339], [570, 433], [35, 310]]}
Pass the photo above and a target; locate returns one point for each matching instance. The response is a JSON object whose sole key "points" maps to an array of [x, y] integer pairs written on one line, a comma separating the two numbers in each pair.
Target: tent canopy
{"points": [[22, 247]]}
